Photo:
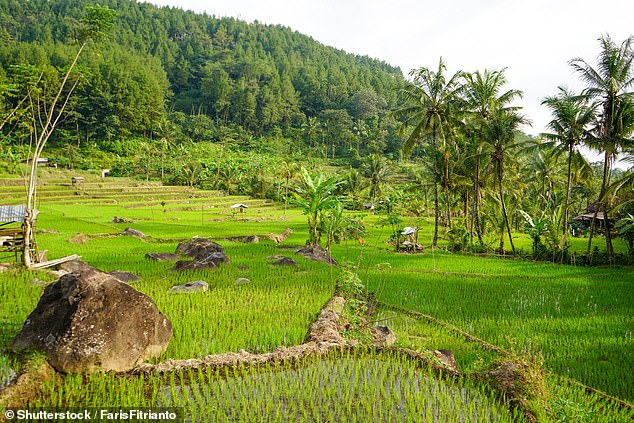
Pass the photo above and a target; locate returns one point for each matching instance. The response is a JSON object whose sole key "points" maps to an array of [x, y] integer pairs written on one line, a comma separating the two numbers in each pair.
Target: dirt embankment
{"points": [[27, 386], [323, 336]]}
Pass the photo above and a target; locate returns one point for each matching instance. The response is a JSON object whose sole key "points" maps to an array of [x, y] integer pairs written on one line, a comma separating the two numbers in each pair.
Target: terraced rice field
{"points": [[579, 320]]}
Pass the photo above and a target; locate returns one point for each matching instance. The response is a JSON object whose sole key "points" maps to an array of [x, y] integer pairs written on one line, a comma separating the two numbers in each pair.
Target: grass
{"points": [[579, 319]]}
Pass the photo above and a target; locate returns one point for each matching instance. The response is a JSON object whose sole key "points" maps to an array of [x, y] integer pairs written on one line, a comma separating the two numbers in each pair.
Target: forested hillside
{"points": [[196, 100], [215, 78]]}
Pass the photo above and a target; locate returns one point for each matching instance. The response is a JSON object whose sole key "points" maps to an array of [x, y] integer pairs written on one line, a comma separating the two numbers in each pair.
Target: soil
{"points": [[79, 239], [26, 387], [323, 336]]}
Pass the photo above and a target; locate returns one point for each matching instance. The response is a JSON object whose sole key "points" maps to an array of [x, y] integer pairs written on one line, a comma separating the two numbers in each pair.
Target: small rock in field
{"points": [[447, 357], [194, 286], [241, 281], [161, 256], [383, 335], [133, 232], [74, 266], [38, 282], [121, 220], [285, 261]]}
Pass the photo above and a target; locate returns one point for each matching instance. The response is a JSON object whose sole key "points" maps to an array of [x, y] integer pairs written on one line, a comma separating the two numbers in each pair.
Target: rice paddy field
{"points": [[578, 320]]}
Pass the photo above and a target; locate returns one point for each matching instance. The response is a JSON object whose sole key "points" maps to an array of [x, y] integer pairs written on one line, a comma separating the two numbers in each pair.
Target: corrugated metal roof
{"points": [[13, 213]]}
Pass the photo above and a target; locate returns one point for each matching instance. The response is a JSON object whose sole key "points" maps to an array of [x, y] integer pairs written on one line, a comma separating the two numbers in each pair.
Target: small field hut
{"points": [[239, 208]]}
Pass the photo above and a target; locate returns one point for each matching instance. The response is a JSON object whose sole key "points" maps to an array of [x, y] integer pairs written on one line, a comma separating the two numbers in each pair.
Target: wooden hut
{"points": [[239, 207], [600, 223], [408, 240]]}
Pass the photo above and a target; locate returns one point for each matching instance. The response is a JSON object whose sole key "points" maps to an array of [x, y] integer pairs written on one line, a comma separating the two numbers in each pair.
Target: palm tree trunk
{"points": [[448, 205], [436, 210], [163, 164], [476, 201], [562, 245], [601, 205], [466, 211], [506, 217], [286, 195]]}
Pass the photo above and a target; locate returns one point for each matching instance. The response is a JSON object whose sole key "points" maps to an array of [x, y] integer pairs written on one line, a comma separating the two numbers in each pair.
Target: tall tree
{"points": [[429, 102], [377, 170], [482, 96], [610, 85], [166, 131], [571, 117], [501, 131], [45, 114], [287, 170]]}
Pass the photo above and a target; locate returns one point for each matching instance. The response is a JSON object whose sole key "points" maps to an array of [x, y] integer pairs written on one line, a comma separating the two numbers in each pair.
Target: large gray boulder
{"points": [[285, 261], [133, 232], [76, 265], [316, 253], [213, 260], [88, 321], [198, 248], [206, 254]]}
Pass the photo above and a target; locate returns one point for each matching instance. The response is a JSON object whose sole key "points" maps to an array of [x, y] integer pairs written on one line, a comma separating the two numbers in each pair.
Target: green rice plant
{"points": [[421, 335], [346, 387], [579, 320]]}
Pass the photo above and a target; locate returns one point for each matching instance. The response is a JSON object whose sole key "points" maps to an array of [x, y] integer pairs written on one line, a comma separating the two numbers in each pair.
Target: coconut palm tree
{"points": [[353, 183], [429, 107], [500, 134], [166, 130], [287, 170], [572, 115], [377, 170], [609, 85], [482, 95], [228, 174]]}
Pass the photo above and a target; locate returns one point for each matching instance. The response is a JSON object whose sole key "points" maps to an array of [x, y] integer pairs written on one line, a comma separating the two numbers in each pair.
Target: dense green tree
{"points": [[500, 135], [428, 103], [315, 196], [610, 86], [337, 131], [377, 170], [572, 116], [482, 95]]}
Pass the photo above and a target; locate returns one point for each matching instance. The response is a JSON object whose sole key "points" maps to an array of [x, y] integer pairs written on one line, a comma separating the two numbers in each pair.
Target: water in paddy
{"points": [[350, 390], [7, 374]]}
